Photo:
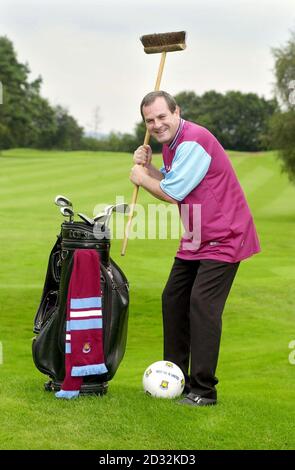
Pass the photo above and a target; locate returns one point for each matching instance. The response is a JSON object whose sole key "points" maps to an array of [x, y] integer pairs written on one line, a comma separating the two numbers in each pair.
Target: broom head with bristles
{"points": [[163, 42]]}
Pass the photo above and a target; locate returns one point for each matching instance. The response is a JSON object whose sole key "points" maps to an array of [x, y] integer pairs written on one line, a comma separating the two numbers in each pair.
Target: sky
{"points": [[91, 60]]}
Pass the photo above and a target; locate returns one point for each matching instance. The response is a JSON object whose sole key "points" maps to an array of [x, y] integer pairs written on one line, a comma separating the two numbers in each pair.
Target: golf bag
{"points": [[50, 321]]}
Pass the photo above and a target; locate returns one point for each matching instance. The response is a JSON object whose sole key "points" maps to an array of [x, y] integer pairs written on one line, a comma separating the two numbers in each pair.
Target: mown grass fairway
{"points": [[257, 381]]}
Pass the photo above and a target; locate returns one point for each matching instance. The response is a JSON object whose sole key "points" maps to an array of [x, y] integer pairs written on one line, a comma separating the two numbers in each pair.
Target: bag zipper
{"points": [[107, 304]]}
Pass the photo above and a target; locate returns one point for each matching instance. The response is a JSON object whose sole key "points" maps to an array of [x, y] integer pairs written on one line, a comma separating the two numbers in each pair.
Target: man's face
{"points": [[160, 122]]}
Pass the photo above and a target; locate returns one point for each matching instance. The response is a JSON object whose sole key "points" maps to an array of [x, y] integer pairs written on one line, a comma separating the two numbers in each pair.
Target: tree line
{"points": [[241, 121]]}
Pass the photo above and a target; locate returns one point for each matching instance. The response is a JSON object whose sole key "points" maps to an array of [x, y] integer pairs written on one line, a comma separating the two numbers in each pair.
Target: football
{"points": [[163, 379]]}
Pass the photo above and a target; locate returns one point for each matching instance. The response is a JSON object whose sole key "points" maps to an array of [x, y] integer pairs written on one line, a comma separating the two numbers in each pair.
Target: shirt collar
{"points": [[172, 145]]}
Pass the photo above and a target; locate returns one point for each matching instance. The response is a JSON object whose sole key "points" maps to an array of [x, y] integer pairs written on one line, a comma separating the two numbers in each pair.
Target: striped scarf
{"points": [[84, 335]]}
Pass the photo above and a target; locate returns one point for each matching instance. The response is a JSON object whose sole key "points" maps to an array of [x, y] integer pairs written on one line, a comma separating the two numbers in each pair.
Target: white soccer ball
{"points": [[163, 379]]}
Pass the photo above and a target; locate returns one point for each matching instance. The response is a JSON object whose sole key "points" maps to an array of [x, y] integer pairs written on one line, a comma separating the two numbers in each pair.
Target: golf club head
{"points": [[86, 219], [108, 209], [62, 201], [67, 212], [99, 222], [100, 217], [104, 217], [121, 208]]}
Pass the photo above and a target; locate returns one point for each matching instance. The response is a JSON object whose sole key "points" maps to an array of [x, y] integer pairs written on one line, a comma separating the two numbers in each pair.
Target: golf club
{"points": [[86, 219], [104, 217], [100, 217], [62, 201], [120, 208], [67, 212]]}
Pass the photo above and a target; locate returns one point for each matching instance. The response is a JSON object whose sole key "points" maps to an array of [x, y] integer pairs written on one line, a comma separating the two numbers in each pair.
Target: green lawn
{"points": [[257, 382]]}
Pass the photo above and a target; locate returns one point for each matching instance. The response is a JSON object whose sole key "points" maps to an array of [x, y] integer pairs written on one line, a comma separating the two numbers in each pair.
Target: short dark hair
{"points": [[153, 95]]}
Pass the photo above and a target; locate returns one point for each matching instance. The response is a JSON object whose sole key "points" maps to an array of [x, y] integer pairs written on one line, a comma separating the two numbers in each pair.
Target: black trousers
{"points": [[193, 301]]}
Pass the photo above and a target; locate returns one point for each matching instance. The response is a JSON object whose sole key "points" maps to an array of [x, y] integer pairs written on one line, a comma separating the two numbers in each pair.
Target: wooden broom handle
{"points": [[146, 141]]}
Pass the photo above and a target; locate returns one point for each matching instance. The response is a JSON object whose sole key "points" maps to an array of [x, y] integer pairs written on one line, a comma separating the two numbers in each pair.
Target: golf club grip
{"points": [[146, 141]]}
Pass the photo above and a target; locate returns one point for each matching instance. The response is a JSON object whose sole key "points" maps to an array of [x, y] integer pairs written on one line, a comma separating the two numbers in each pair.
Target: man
{"points": [[197, 175]]}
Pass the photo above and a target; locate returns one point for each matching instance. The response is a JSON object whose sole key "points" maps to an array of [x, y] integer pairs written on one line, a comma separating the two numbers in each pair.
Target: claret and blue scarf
{"points": [[84, 335]]}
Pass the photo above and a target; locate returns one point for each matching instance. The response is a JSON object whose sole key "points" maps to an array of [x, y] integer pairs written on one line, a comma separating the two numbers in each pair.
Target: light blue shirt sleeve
{"points": [[162, 170], [190, 165]]}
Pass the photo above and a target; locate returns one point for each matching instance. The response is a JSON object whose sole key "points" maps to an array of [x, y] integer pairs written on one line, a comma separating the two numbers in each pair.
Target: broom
{"points": [[154, 44]]}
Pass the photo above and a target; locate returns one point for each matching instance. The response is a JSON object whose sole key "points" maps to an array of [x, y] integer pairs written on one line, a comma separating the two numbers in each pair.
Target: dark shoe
{"points": [[196, 400], [186, 389]]}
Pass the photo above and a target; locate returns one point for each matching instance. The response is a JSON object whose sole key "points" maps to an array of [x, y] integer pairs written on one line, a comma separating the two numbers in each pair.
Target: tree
{"points": [[189, 104], [240, 121], [43, 125], [285, 71], [68, 134], [283, 123], [26, 118], [13, 76]]}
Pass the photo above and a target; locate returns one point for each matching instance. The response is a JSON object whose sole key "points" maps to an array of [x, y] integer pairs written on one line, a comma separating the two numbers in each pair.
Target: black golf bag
{"points": [[50, 320]]}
